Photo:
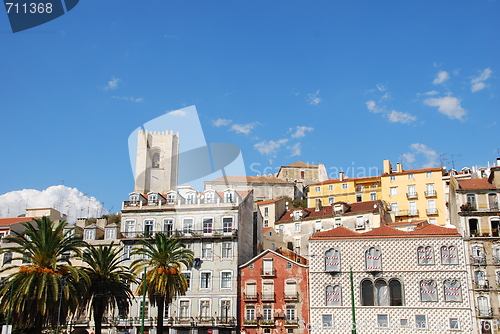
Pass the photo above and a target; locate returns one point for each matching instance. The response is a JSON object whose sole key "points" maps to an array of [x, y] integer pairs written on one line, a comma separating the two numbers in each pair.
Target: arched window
{"points": [[480, 281], [332, 260], [333, 296], [373, 259], [381, 293], [425, 255], [367, 293], [428, 291], [477, 254], [155, 160], [449, 255], [493, 202], [452, 291], [483, 306], [396, 293]]}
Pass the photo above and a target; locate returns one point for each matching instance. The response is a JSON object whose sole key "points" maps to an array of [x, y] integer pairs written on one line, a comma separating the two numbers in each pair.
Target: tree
{"points": [[46, 282], [109, 282], [164, 257]]}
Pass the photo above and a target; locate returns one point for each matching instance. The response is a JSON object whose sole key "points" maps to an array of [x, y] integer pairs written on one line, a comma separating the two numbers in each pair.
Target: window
{"points": [[367, 293], [251, 290], [392, 178], [208, 225], [153, 198], [425, 255], [330, 187], [421, 321], [206, 280], [171, 198], [266, 223], [412, 191], [126, 252], [110, 233], [187, 225], [382, 320], [428, 291], [431, 207], [89, 234], [190, 199], [493, 202], [134, 198], [318, 189], [267, 266], [184, 308], [129, 228], [327, 320], [226, 280], [360, 223], [333, 296], [374, 185], [210, 198], [148, 228], [290, 289], [290, 313], [206, 251], [373, 259], [267, 313], [204, 308], [288, 265], [338, 222], [297, 227], [480, 279], [297, 246], [225, 309], [331, 200], [413, 208], [429, 190], [449, 255], [332, 260], [250, 313], [394, 208], [266, 211], [483, 306], [381, 293], [7, 258], [395, 293], [452, 291], [268, 290], [227, 250], [281, 228], [188, 279], [344, 185], [168, 227], [228, 197], [318, 225], [477, 254], [410, 176], [359, 198], [428, 174], [393, 191], [471, 200], [373, 196], [454, 323]]}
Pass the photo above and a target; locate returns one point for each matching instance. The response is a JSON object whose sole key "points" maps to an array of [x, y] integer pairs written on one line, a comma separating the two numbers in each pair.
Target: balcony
{"points": [[204, 321], [484, 312], [250, 322], [412, 195], [225, 321], [184, 321], [184, 233], [477, 260], [253, 297], [481, 285], [169, 203], [268, 273], [291, 297], [267, 322], [292, 322], [268, 297], [432, 212], [406, 213], [430, 193]]}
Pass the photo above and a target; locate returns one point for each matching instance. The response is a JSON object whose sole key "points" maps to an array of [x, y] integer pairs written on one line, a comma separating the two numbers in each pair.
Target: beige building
{"points": [[272, 210]]}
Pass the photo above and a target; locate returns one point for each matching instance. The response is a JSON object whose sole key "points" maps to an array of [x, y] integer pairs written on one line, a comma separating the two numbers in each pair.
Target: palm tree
{"points": [[46, 282], [109, 282], [164, 257]]}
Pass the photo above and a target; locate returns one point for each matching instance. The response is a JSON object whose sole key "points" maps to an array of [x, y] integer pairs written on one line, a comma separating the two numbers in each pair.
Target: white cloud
{"points": [[408, 157], [386, 96], [381, 87], [432, 92], [270, 147], [112, 84], [178, 112], [429, 154], [69, 201], [448, 105], [131, 99], [477, 83], [441, 77], [301, 131], [314, 99], [295, 149], [221, 122], [372, 106], [243, 128], [401, 117]]}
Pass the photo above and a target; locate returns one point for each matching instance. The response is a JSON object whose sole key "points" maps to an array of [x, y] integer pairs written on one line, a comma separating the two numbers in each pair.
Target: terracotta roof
{"points": [[472, 184], [248, 179], [385, 231], [265, 229], [10, 221], [269, 201], [301, 164], [413, 222], [327, 211], [346, 179]]}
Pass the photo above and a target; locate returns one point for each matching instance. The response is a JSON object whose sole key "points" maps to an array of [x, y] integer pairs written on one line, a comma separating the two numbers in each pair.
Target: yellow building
{"points": [[344, 189], [411, 194], [414, 194]]}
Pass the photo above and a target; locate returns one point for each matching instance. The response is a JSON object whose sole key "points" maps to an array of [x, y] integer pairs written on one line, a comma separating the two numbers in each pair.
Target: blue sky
{"points": [[344, 83]]}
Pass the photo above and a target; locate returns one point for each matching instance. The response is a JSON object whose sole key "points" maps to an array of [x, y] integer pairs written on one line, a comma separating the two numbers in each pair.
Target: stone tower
{"points": [[157, 161]]}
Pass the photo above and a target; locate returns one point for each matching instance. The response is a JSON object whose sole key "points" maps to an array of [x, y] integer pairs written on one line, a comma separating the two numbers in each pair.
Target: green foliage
{"points": [[112, 219]]}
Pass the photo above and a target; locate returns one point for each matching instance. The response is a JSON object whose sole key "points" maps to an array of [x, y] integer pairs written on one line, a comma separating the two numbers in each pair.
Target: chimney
{"points": [[498, 161], [399, 167], [319, 207], [341, 176], [387, 167]]}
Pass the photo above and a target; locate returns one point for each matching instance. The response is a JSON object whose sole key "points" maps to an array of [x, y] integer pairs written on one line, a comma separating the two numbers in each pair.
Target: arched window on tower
{"points": [[155, 160]]}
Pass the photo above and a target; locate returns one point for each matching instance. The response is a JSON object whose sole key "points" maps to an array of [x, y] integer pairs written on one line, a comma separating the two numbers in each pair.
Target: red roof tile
{"points": [[10, 221], [471, 184], [300, 164], [269, 201], [248, 179], [421, 170]]}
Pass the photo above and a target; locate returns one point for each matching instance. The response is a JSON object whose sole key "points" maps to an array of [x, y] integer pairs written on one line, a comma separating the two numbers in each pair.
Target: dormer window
{"points": [[134, 198], [171, 198], [190, 198], [89, 234], [153, 198], [229, 197], [297, 215], [210, 198]]}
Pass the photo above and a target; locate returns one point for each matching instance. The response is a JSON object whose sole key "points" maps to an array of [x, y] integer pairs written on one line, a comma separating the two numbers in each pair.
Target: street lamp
{"points": [[63, 284]]}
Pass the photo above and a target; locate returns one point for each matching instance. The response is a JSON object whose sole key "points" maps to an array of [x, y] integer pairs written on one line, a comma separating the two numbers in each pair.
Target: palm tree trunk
{"points": [[98, 313], [161, 310]]}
